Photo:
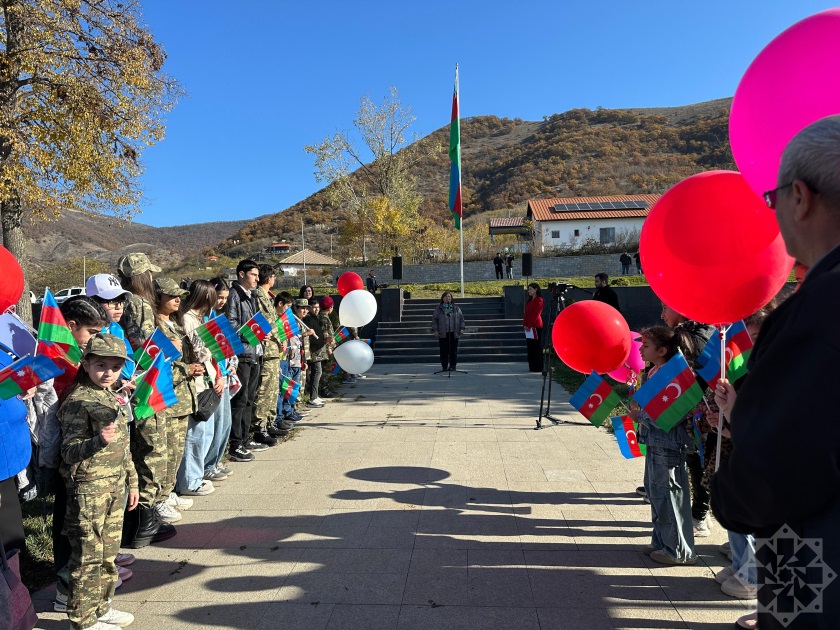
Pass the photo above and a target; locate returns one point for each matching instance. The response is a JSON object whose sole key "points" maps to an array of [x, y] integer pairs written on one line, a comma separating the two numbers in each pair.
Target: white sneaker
{"points": [[179, 502], [320, 401], [117, 618], [167, 513], [60, 602], [204, 489], [701, 528], [101, 625]]}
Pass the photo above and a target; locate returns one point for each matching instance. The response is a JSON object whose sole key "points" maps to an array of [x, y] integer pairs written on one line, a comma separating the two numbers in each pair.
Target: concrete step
{"points": [[466, 356], [464, 342], [427, 317]]}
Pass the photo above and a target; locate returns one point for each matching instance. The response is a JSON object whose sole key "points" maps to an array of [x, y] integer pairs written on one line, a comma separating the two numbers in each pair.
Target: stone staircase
{"points": [[489, 336]]}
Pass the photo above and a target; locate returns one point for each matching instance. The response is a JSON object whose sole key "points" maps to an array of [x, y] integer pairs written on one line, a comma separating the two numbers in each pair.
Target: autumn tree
{"points": [[369, 172], [82, 94]]}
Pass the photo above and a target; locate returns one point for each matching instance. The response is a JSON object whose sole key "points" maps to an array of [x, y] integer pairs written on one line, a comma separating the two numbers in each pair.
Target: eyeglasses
{"points": [[771, 195], [114, 304]]}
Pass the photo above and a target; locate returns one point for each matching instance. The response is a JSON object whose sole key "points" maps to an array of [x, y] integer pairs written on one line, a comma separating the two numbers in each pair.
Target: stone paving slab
{"points": [[417, 502]]}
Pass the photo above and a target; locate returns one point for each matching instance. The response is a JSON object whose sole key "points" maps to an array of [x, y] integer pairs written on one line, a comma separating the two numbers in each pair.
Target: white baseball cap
{"points": [[105, 286]]}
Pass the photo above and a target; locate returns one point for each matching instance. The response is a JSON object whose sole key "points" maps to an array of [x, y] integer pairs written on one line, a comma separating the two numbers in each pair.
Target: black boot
{"points": [[147, 526], [131, 520], [164, 532]]}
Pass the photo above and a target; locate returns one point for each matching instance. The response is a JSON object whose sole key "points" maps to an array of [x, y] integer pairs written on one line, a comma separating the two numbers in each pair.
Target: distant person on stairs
{"points": [[448, 325]]}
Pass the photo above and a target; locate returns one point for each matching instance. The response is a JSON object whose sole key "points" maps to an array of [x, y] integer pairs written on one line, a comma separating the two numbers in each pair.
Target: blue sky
{"points": [[266, 77]]}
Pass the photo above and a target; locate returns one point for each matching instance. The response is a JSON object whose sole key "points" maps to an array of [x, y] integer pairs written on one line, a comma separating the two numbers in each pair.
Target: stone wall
{"points": [[558, 266]]}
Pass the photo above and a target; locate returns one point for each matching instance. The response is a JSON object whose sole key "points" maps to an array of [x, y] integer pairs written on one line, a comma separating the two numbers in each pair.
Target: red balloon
{"points": [[711, 251], [11, 280], [591, 335], [349, 281]]}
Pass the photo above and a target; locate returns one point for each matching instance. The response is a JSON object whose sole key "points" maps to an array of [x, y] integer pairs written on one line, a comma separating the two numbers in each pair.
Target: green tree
{"points": [[371, 165], [68, 273], [82, 93]]}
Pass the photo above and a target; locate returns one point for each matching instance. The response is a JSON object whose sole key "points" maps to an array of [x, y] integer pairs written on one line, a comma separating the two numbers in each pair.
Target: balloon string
{"points": [[724, 328]]}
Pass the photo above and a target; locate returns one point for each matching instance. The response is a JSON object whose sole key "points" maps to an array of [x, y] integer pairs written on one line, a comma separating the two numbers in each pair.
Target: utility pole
{"points": [[303, 249]]}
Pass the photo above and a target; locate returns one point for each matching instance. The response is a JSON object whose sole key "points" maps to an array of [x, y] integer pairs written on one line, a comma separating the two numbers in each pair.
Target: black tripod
{"points": [[449, 370], [557, 304]]}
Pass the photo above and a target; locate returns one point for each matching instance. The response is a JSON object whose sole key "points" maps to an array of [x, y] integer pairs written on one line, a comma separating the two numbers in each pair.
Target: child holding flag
{"points": [[666, 476], [96, 468]]}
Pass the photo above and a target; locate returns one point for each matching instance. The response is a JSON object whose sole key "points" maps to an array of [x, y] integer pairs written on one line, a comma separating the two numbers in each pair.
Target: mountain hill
{"points": [[577, 153], [75, 234]]}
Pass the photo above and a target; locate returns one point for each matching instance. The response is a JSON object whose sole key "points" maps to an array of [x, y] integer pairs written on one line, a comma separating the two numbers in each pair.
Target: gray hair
{"points": [[814, 157]]}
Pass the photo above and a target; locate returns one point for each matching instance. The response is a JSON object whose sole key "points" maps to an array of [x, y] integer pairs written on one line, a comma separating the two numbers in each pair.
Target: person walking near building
{"points": [[509, 265], [498, 264], [625, 261]]}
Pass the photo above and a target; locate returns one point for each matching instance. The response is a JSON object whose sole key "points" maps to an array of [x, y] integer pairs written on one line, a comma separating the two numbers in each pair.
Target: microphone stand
{"points": [[558, 301]]}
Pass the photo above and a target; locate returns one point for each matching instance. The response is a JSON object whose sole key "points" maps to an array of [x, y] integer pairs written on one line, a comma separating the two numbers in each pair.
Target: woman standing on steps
{"points": [[534, 327], [448, 325]]}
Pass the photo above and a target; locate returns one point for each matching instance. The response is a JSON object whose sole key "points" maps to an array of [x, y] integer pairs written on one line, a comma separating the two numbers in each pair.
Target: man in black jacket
{"points": [[241, 307], [782, 479], [604, 293]]}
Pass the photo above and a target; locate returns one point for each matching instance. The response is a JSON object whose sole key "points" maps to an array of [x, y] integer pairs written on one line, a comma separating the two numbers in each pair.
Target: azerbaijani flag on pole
{"points": [[220, 338], [336, 368], [115, 329], [289, 389], [287, 326], [155, 391], [55, 340], [668, 408], [25, 374], [256, 329], [738, 344], [625, 434], [154, 345], [342, 334], [455, 204], [595, 399]]}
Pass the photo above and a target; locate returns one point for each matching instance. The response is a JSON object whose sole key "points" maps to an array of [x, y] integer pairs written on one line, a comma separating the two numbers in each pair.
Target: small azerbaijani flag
{"points": [[220, 338], [625, 434], [738, 346], [595, 399], [289, 389], [256, 329], [667, 408], [287, 325], [155, 391], [336, 368], [158, 343], [25, 374], [115, 329], [55, 341], [455, 203], [342, 334]]}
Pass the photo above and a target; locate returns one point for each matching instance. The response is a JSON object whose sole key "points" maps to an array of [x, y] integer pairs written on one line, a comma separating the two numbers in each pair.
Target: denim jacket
{"points": [[677, 438]]}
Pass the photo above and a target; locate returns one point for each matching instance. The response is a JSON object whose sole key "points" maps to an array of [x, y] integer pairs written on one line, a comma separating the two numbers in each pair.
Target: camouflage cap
{"points": [[105, 345], [170, 287], [135, 264], [302, 302]]}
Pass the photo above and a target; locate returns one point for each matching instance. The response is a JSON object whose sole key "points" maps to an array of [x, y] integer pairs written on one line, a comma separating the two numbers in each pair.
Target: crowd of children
{"points": [[121, 481]]}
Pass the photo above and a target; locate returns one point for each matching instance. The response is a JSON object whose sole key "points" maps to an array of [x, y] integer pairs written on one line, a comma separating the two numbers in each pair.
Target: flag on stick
{"points": [[25, 374], [665, 406], [738, 344], [336, 368], [155, 391], [154, 345], [595, 399], [115, 329], [55, 340], [287, 325], [342, 334], [289, 389], [220, 338], [455, 204], [625, 434], [256, 329]]}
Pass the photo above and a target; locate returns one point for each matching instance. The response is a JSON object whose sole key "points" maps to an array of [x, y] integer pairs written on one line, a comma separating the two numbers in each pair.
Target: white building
{"points": [[571, 221]]}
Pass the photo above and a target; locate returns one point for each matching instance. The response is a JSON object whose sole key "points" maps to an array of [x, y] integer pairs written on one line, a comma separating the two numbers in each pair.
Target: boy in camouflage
{"points": [[96, 466], [265, 403]]}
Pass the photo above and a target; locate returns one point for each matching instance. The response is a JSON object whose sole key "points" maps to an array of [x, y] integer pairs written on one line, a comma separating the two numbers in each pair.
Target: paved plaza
{"points": [[421, 502]]}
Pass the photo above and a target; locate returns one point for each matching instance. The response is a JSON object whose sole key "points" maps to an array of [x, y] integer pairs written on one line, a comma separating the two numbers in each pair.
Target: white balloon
{"points": [[355, 357], [357, 308]]}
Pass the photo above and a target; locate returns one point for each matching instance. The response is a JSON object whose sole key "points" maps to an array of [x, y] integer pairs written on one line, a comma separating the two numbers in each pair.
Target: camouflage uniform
{"points": [[265, 404], [96, 475], [177, 416], [304, 357], [148, 436]]}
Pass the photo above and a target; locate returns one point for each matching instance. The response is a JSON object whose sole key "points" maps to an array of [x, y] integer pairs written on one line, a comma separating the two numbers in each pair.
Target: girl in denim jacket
{"points": [[666, 475]]}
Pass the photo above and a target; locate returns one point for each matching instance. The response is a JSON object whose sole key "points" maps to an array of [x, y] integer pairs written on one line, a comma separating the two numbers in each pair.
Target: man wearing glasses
{"points": [[782, 480]]}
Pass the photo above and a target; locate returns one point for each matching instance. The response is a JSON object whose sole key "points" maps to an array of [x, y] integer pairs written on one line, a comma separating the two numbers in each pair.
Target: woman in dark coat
{"points": [[448, 325], [534, 327]]}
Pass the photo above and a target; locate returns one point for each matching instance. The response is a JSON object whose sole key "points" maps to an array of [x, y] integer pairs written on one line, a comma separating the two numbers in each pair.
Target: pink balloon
{"points": [[766, 116], [633, 366]]}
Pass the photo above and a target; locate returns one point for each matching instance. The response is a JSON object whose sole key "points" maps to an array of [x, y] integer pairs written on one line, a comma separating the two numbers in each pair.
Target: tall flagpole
{"points": [[455, 199]]}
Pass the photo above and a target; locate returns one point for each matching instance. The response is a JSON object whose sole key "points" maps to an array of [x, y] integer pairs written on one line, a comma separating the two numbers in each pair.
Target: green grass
{"points": [[36, 565], [571, 380], [495, 287]]}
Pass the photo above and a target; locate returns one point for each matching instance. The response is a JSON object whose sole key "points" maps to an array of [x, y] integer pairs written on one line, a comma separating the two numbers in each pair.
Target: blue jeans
{"points": [[743, 556], [196, 446], [666, 479], [221, 432], [284, 406]]}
